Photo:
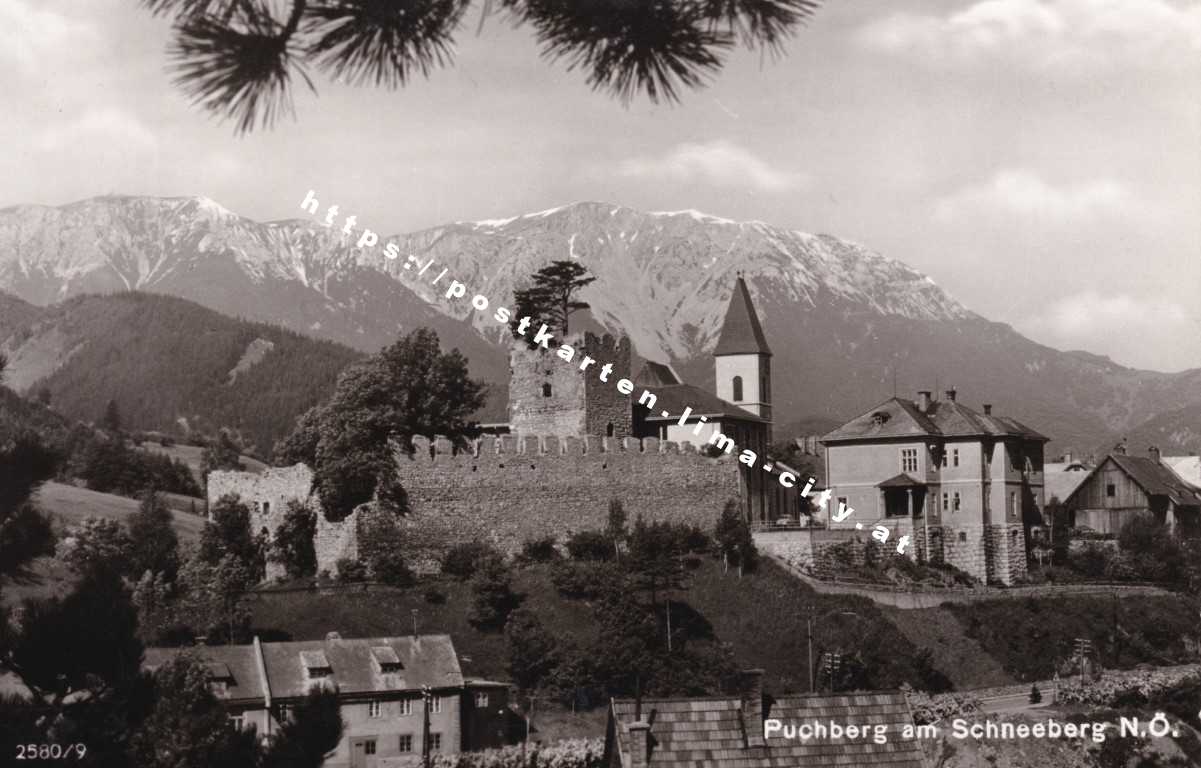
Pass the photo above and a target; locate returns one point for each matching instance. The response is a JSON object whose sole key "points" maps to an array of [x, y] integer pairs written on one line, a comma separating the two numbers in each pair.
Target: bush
{"points": [[435, 596], [932, 709], [350, 571], [540, 551], [585, 580], [590, 545], [1091, 560], [389, 567], [464, 560], [492, 597]]}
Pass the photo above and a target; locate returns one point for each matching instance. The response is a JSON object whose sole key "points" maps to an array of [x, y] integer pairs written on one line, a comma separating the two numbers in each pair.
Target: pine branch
{"points": [[383, 41], [240, 70]]}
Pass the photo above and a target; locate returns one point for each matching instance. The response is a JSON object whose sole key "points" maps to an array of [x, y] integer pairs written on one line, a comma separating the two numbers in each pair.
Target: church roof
{"points": [[657, 375], [741, 333], [674, 399]]}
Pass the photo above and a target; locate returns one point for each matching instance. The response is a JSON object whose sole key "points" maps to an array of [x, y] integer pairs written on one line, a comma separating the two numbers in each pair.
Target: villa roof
{"points": [[740, 332], [710, 732], [899, 418]]}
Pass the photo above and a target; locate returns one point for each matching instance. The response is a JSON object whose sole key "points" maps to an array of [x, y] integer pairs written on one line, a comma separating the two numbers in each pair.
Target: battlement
{"points": [[550, 445]]}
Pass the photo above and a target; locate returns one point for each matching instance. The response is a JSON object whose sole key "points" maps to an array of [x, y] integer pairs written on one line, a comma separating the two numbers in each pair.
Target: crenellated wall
{"points": [[508, 490]]}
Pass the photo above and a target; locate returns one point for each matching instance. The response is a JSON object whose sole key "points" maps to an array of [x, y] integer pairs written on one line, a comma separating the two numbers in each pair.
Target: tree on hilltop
{"points": [[237, 58], [111, 420], [409, 388], [552, 297]]}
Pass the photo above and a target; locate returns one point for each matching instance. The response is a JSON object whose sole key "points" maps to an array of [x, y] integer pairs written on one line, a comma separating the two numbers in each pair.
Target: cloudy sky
{"points": [[1040, 159]]}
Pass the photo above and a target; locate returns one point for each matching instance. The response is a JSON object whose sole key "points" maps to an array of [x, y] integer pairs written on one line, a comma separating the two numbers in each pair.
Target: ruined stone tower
{"points": [[550, 396]]}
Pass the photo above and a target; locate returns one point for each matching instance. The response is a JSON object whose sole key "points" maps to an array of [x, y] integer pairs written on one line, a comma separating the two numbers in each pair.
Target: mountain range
{"points": [[844, 322]]}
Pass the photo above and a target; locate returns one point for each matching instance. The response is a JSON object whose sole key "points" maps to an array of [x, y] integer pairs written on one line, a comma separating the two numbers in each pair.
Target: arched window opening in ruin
{"points": [[737, 388], [609, 430], [266, 507], [546, 390]]}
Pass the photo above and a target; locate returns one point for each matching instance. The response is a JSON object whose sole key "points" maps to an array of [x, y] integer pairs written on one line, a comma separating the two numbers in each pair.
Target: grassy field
{"points": [[191, 455], [956, 655], [69, 505]]}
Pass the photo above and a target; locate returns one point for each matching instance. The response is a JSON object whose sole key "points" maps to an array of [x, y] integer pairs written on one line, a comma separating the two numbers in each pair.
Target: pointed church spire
{"points": [[741, 333]]}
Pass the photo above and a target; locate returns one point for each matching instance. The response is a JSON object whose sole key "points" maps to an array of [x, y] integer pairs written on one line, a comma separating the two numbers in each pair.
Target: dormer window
{"points": [[317, 669], [387, 663], [219, 679], [737, 387]]}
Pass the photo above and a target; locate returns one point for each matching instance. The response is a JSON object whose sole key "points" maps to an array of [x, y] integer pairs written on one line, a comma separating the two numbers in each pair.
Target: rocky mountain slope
{"points": [[839, 317]]}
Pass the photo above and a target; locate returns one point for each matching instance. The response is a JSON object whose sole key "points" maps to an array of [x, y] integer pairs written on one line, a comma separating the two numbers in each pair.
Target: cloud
{"points": [[35, 39], [1022, 193], [1143, 332], [719, 162], [107, 124], [1066, 37]]}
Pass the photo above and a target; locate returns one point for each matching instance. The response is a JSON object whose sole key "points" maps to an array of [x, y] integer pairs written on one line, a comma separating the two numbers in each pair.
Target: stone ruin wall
{"points": [[509, 490], [266, 493]]}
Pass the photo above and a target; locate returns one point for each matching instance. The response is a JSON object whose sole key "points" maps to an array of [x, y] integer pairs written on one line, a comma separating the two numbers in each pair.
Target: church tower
{"points": [[742, 359]]}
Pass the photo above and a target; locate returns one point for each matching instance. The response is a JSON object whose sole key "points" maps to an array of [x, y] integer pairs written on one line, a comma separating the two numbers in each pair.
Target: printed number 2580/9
{"points": [[51, 751]]}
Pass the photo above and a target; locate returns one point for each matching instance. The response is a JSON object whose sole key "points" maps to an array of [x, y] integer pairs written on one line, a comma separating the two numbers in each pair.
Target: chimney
{"points": [[988, 409], [640, 732], [1120, 448], [951, 394], [923, 400], [752, 706], [1153, 452], [1067, 457]]}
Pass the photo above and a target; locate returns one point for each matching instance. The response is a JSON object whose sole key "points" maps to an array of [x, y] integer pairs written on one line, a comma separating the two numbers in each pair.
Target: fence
{"points": [[917, 596]]}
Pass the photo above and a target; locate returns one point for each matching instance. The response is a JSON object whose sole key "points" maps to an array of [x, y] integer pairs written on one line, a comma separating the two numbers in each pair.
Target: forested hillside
{"points": [[169, 365]]}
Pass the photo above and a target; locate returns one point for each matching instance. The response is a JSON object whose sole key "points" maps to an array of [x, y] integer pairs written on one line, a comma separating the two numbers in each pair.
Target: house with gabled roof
{"points": [[754, 730], [1123, 487], [963, 484], [382, 685]]}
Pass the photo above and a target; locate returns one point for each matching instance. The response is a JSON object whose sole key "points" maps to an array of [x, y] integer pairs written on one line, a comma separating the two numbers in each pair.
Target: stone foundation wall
{"points": [[1006, 553]]}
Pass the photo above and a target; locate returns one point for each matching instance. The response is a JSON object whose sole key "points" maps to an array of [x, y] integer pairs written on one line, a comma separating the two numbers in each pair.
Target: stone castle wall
{"points": [[510, 490], [576, 403]]}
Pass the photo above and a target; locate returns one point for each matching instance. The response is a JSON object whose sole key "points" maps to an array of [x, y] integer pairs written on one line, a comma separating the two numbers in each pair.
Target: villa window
{"points": [[406, 707], [481, 699], [955, 457], [908, 459], [237, 722], [436, 704], [369, 747], [737, 389], [406, 743], [956, 498], [946, 501], [435, 742], [375, 708]]}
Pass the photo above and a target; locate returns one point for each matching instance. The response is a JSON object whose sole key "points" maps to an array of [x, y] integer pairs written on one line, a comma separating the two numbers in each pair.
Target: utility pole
{"points": [[1083, 647], [809, 611], [425, 726]]}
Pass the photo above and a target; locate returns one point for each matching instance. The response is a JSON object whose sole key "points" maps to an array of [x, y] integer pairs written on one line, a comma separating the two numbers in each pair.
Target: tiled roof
{"points": [[896, 417], [656, 375], [1154, 478], [741, 332], [710, 733], [676, 398], [1187, 467], [235, 665], [1060, 479], [428, 660]]}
